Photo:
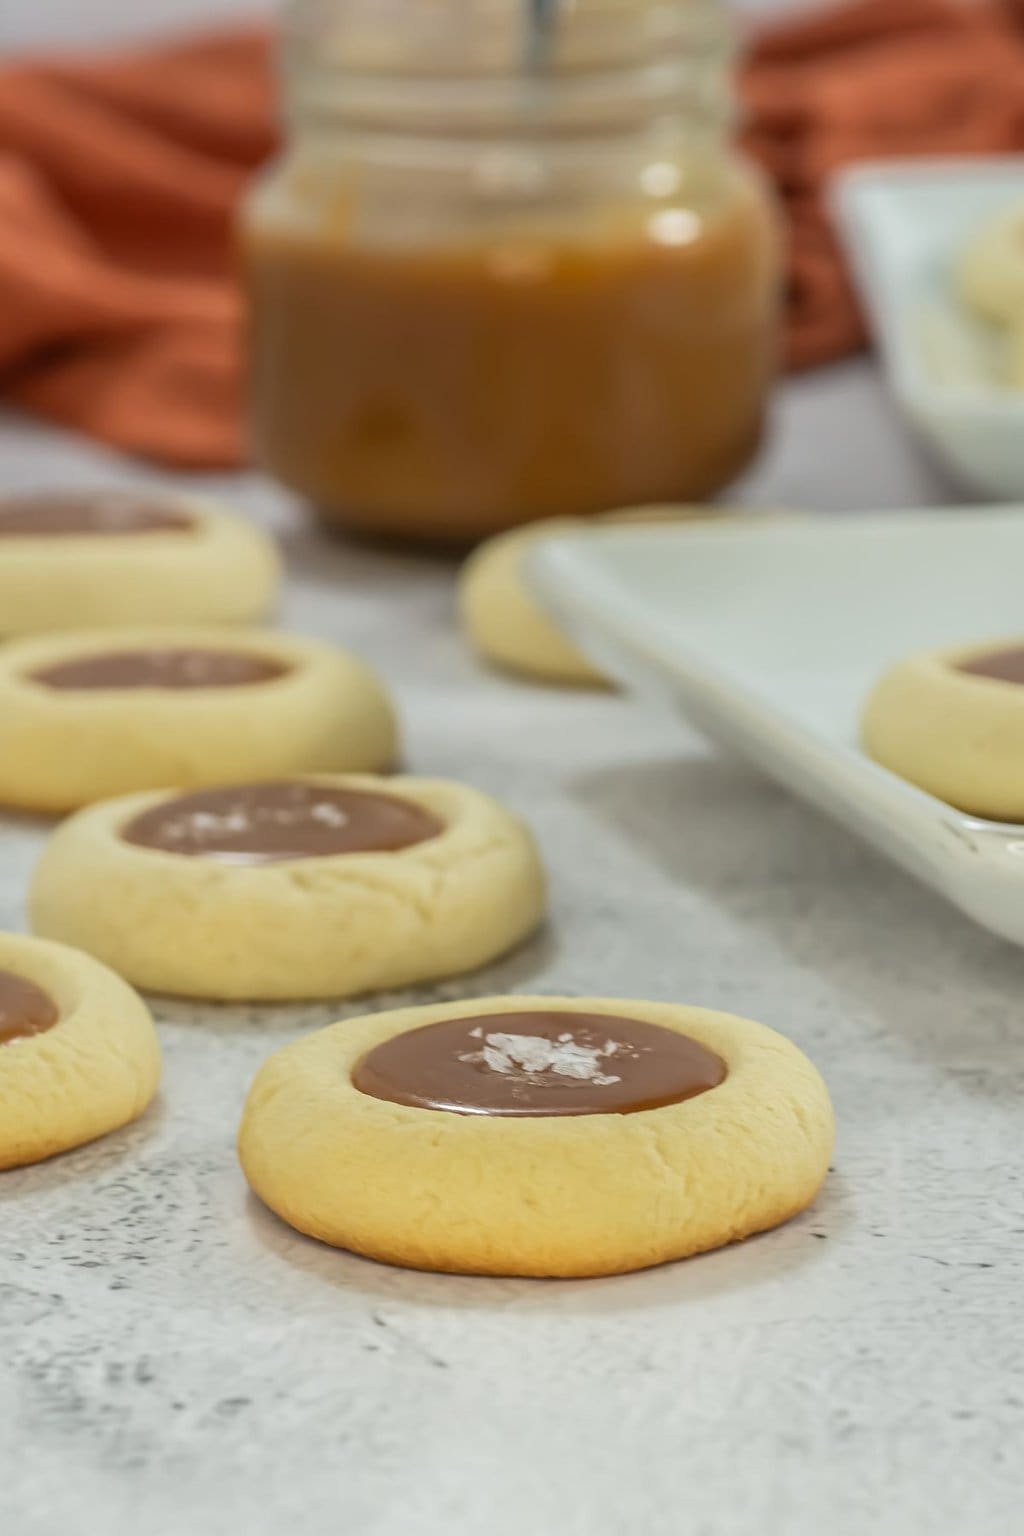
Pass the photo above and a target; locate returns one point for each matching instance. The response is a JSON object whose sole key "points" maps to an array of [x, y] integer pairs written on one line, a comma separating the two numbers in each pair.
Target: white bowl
{"points": [[768, 632], [903, 224]]}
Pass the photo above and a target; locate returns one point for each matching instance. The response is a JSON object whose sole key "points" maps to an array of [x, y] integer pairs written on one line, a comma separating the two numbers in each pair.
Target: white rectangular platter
{"points": [[768, 632]]}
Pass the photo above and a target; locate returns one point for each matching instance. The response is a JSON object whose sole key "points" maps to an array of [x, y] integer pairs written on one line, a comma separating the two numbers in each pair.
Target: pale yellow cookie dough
{"points": [[60, 749], [570, 1196], [957, 735], [989, 273], [92, 1072], [502, 619], [223, 570], [1013, 354], [328, 926]]}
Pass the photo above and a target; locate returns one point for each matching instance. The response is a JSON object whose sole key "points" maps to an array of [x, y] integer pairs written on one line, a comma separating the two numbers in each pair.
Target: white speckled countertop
{"points": [[175, 1361]]}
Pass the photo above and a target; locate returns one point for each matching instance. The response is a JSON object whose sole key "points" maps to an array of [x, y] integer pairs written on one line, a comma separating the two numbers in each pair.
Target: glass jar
{"points": [[495, 275]]}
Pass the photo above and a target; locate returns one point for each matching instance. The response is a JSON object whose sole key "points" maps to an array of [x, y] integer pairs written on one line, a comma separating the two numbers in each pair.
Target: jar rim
{"points": [[487, 38], [408, 65]]}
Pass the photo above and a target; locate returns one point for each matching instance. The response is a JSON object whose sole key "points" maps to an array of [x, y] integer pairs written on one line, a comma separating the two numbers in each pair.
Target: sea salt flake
{"points": [[210, 824], [328, 815], [496, 1060], [533, 1056]]}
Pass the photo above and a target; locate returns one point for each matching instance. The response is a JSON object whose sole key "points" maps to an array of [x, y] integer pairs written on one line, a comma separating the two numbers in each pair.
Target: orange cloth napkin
{"points": [[119, 311], [875, 78]]}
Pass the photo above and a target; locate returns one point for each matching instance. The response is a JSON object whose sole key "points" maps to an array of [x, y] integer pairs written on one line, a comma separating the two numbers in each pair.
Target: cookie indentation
{"points": [[539, 1063], [25, 1009], [273, 822]]}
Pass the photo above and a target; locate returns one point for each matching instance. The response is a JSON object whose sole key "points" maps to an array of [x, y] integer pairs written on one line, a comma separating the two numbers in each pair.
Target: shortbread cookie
{"points": [[1013, 354], [504, 621], [103, 559], [537, 1135], [78, 1052], [990, 271], [952, 722], [310, 887], [86, 716]]}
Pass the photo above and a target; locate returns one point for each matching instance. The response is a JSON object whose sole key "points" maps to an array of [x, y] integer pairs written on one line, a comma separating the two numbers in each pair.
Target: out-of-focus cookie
{"points": [[952, 722], [989, 274], [102, 559], [87, 716], [307, 887], [78, 1052], [537, 1135], [502, 619], [1013, 354]]}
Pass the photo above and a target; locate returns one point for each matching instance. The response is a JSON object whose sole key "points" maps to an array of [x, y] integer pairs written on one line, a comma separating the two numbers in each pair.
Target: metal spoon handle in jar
{"points": [[542, 22]]}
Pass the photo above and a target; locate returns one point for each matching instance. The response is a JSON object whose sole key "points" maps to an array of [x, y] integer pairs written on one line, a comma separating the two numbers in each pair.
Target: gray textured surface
{"points": [[174, 1360]]}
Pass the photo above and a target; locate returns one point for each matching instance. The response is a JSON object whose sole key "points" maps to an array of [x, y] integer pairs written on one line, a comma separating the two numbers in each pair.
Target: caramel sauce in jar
{"points": [[562, 299]]}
